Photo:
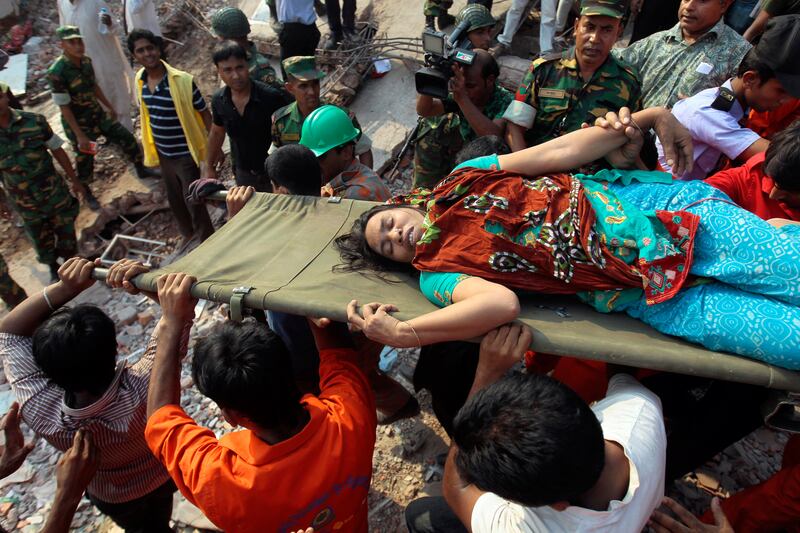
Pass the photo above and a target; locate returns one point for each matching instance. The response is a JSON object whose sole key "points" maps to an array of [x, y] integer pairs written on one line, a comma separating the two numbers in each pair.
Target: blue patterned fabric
{"points": [[751, 308], [723, 318], [733, 246]]}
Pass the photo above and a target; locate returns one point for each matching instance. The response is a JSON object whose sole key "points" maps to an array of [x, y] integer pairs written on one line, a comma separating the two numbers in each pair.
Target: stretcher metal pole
{"points": [[219, 196], [100, 274]]}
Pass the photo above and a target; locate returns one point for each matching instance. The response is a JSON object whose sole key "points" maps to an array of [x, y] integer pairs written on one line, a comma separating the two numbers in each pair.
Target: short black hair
{"points": [[295, 167], [529, 439], [356, 254], [247, 367], [782, 160], [141, 33], [482, 146], [487, 63], [76, 348], [752, 62], [339, 149], [228, 49]]}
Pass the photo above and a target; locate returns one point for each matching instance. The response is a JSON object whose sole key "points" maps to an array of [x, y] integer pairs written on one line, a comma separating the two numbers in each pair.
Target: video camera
{"points": [[441, 53]]}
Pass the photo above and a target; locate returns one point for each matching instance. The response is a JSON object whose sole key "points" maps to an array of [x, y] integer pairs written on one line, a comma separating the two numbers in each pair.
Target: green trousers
{"points": [[434, 8], [113, 131], [438, 141], [53, 234], [11, 293]]}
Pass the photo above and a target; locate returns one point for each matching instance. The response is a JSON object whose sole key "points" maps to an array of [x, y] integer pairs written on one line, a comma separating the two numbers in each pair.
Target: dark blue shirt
{"points": [[167, 130]]}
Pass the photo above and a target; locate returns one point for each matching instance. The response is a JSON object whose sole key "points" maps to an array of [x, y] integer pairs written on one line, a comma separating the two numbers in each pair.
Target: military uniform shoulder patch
{"points": [[282, 112]]}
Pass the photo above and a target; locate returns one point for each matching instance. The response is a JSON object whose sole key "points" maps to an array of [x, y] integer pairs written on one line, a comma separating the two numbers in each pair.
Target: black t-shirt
{"points": [[249, 133]]}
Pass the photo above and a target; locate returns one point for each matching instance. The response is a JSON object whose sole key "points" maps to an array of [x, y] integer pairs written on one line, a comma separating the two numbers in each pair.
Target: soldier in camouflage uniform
{"points": [[13, 101], [302, 82], [329, 133], [562, 91], [481, 23], [231, 23], [444, 127], [11, 293], [436, 10], [39, 194], [75, 91]]}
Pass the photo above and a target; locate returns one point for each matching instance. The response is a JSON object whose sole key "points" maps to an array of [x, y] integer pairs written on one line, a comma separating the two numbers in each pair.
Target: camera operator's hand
{"points": [[458, 85]]}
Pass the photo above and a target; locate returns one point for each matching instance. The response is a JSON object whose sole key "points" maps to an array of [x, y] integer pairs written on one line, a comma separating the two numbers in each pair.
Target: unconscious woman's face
{"points": [[394, 233]]}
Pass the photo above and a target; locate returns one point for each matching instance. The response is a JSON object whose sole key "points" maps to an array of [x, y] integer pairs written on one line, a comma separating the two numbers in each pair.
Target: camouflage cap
{"points": [[230, 23], [304, 68], [477, 15], [68, 32], [607, 8]]}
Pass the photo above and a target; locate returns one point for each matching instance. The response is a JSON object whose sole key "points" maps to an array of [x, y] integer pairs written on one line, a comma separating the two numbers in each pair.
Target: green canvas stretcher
{"points": [[282, 248]]}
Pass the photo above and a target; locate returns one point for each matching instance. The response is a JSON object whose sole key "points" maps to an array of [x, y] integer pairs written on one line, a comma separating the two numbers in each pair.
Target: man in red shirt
{"points": [[769, 183], [302, 460]]}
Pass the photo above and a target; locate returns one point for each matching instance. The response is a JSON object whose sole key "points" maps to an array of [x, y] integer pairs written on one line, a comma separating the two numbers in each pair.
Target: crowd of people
{"points": [[660, 179]]}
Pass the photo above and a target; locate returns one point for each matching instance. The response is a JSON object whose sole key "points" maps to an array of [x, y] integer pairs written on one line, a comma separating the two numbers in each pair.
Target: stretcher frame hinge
{"points": [[236, 307]]}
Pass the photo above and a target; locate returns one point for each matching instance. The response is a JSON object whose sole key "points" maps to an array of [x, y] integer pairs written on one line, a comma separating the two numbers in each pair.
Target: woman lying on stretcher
{"points": [[677, 255]]}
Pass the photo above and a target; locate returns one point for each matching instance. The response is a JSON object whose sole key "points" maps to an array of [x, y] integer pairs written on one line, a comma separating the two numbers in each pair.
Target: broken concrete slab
{"points": [[186, 513], [512, 70], [386, 110], [127, 191], [26, 270], [15, 75], [24, 474]]}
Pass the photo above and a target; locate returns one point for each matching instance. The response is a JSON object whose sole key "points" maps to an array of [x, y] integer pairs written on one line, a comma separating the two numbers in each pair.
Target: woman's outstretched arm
{"points": [[586, 145], [479, 306]]}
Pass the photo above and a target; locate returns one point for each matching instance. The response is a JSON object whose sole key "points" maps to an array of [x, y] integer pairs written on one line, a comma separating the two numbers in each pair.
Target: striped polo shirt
{"points": [[166, 127], [128, 470]]}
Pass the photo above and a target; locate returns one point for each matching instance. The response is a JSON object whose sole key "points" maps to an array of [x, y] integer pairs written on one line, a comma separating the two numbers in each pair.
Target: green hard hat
{"points": [[607, 8], [477, 15], [326, 128], [230, 23]]}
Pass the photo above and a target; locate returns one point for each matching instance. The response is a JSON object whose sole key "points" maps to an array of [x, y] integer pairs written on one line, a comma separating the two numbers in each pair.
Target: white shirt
{"points": [[142, 14], [629, 415], [714, 132]]}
